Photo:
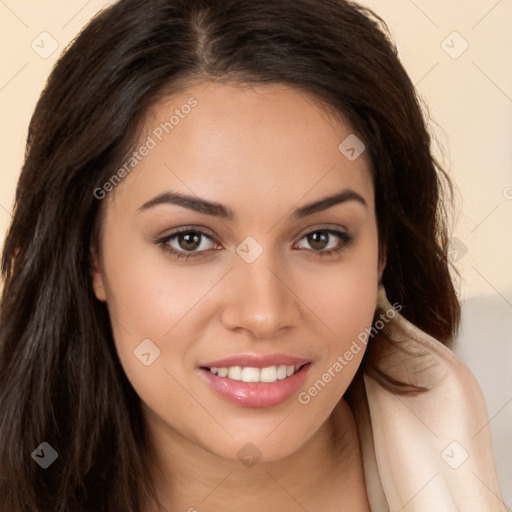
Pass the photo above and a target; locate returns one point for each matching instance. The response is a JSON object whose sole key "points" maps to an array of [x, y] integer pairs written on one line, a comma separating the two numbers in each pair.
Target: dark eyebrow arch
{"points": [[218, 210], [192, 203], [325, 203]]}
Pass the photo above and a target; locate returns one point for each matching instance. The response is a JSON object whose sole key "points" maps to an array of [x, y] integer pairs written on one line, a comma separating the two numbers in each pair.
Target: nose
{"points": [[260, 300]]}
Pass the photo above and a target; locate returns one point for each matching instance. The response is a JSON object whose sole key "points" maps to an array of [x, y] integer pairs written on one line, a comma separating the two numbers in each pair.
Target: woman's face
{"points": [[249, 288]]}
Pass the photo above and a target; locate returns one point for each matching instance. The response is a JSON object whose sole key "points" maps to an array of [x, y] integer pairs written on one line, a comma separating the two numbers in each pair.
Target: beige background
{"points": [[469, 95]]}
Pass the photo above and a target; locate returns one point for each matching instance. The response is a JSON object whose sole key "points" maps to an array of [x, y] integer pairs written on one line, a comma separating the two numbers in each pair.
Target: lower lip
{"points": [[256, 394]]}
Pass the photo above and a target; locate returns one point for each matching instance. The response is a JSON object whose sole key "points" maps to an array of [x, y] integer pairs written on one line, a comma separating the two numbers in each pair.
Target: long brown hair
{"points": [[60, 379]]}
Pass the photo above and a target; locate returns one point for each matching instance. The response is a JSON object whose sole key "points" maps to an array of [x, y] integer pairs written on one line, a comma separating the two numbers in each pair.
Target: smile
{"points": [[256, 381], [249, 374]]}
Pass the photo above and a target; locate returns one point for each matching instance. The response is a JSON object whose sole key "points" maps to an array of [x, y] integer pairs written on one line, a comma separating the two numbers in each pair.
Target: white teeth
{"points": [[249, 374], [235, 373], [281, 372], [268, 374]]}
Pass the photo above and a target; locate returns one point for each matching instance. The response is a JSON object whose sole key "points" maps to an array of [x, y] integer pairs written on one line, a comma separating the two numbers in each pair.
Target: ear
{"points": [[98, 283], [383, 258]]}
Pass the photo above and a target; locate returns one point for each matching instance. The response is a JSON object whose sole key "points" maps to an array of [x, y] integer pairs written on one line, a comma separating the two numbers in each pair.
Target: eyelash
{"points": [[345, 240]]}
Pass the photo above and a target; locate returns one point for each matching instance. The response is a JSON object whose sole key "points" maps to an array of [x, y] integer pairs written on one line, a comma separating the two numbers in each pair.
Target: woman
{"points": [[217, 199]]}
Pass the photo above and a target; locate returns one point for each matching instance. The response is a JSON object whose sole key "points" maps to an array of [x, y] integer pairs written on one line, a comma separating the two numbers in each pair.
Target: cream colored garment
{"points": [[428, 451]]}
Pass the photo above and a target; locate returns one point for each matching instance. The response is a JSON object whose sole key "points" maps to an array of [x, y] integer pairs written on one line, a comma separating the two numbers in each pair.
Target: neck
{"points": [[323, 473]]}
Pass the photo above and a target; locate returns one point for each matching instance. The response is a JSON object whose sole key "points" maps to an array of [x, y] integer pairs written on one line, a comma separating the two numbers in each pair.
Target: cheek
{"points": [[344, 294], [149, 299], [147, 292], [345, 297], [150, 305]]}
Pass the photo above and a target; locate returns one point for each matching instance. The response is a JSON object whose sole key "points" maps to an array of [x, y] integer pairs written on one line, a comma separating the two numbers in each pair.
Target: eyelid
{"points": [[322, 227], [193, 227]]}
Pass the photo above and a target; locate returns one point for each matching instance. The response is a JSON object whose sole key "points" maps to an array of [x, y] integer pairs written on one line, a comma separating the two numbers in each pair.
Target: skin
{"points": [[262, 151]]}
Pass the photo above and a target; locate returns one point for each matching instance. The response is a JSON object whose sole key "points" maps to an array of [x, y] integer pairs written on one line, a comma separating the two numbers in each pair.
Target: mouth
{"points": [[250, 374], [256, 381]]}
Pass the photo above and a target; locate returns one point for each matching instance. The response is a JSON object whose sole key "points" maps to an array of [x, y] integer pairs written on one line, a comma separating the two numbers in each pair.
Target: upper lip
{"points": [[256, 361]]}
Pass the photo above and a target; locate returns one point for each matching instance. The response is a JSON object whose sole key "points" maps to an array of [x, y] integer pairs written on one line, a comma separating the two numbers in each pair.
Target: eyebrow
{"points": [[218, 210]]}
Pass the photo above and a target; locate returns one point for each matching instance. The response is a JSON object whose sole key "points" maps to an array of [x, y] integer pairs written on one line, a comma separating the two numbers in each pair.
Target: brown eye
{"points": [[189, 241], [318, 240], [325, 242]]}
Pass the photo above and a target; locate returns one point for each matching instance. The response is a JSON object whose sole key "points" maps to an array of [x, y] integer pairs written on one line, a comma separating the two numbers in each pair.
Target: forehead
{"points": [[245, 146]]}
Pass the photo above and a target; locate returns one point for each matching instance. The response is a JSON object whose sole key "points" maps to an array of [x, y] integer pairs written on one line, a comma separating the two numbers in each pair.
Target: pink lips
{"points": [[256, 394]]}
